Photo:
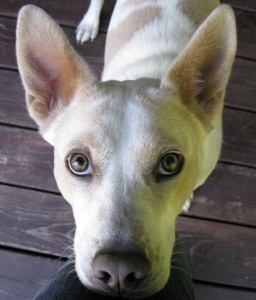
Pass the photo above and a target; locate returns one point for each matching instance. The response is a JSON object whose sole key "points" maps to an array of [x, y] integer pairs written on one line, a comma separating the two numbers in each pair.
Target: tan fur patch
{"points": [[128, 27]]}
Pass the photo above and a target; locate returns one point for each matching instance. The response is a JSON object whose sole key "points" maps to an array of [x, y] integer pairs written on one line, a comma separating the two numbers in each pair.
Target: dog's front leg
{"points": [[88, 28]]}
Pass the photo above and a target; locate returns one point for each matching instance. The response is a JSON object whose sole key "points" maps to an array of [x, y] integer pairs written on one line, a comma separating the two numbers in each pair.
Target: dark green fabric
{"points": [[65, 285]]}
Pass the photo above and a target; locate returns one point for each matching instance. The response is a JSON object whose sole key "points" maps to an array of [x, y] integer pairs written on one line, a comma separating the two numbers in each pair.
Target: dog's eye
{"points": [[79, 164], [170, 164]]}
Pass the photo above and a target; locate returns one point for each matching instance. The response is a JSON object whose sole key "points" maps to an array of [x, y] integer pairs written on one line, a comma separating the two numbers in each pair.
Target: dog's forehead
{"points": [[112, 106], [132, 118], [108, 115], [118, 112]]}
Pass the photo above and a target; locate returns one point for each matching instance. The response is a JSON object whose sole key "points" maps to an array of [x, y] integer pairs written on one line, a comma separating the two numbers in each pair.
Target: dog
{"points": [[129, 150]]}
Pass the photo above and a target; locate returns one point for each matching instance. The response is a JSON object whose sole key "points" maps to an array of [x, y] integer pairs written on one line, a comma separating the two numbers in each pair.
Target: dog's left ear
{"points": [[201, 72], [50, 69]]}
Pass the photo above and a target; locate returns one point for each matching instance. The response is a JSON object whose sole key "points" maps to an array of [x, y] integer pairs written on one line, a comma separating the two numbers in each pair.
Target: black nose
{"points": [[120, 273]]}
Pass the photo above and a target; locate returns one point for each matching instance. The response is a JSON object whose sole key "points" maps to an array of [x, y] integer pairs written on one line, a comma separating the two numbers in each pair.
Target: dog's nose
{"points": [[120, 273]]}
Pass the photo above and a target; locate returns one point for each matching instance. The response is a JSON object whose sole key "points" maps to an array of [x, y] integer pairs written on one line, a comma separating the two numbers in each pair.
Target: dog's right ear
{"points": [[201, 71], [50, 69]]}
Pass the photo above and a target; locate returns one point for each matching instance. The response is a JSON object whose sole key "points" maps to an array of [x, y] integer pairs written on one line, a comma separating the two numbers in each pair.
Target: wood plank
{"points": [[246, 24], [43, 222], [239, 142], [61, 11], [26, 213], [13, 108], [248, 5], [35, 221], [29, 218], [241, 89], [27, 160], [219, 253], [240, 94], [228, 195], [22, 275], [205, 291], [93, 52], [246, 37], [78, 8]]}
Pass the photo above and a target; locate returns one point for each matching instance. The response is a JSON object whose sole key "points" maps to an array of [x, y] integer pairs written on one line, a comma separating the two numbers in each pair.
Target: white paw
{"points": [[87, 29], [187, 204]]}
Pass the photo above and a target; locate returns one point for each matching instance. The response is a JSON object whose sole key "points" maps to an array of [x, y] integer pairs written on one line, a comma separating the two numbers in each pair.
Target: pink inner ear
{"points": [[46, 75]]}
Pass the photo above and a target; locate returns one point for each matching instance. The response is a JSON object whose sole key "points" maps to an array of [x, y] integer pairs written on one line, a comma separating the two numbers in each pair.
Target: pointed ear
{"points": [[50, 69], [201, 72]]}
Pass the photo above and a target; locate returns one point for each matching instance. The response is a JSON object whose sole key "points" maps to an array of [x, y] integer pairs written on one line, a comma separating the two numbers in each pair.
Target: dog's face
{"points": [[126, 170], [127, 154]]}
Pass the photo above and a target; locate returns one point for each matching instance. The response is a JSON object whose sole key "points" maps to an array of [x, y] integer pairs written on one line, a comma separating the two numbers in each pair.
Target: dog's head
{"points": [[127, 154]]}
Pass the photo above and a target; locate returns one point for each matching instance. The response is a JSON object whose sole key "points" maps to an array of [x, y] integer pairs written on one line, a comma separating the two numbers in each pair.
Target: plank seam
{"points": [[18, 126], [246, 58], [240, 108], [235, 287], [29, 188], [237, 164], [33, 253]]}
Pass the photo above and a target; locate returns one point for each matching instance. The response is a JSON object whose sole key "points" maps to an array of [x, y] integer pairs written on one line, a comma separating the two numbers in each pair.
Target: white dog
{"points": [[130, 150]]}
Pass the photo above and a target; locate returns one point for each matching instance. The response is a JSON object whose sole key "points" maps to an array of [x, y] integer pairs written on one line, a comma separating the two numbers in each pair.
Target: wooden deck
{"points": [[218, 232]]}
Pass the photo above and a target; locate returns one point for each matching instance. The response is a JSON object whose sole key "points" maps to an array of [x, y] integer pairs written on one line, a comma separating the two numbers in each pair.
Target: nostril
{"points": [[103, 276], [108, 280], [133, 278]]}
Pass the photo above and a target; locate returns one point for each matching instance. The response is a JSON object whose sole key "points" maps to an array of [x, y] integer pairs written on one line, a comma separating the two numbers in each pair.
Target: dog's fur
{"points": [[167, 64]]}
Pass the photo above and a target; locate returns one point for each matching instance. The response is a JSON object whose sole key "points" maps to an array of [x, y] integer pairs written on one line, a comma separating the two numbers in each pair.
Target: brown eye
{"points": [[79, 164], [170, 164]]}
